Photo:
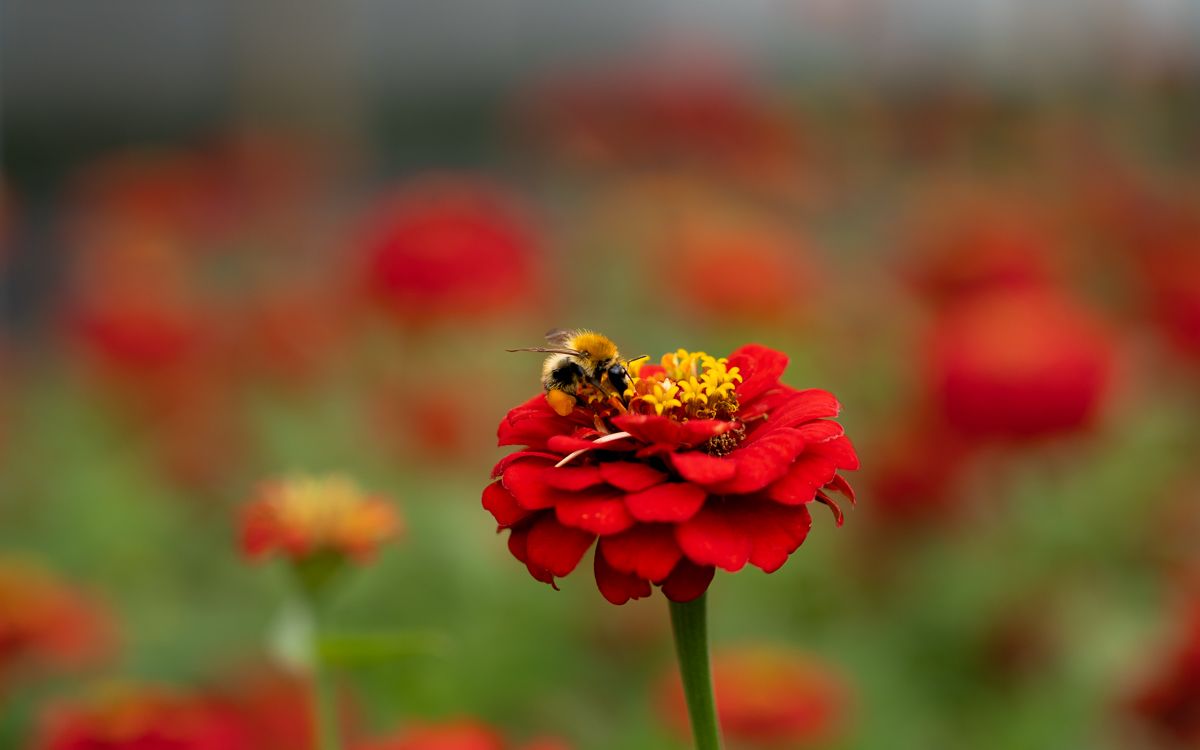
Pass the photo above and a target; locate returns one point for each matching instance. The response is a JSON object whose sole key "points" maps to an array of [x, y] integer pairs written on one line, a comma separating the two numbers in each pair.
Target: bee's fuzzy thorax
{"points": [[597, 347]]}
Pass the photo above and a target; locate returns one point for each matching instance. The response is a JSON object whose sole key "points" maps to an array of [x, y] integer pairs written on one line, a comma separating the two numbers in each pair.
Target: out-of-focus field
{"points": [[1002, 288]]}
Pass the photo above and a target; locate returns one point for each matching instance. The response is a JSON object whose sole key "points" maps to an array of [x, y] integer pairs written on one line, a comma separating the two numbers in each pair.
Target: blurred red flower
{"points": [[962, 240], [1168, 705], [459, 734], [712, 466], [683, 107], [914, 470], [1172, 273], [1019, 363], [445, 247], [766, 697], [141, 718], [761, 269], [301, 516], [290, 330], [133, 308], [47, 624], [273, 708], [166, 192]]}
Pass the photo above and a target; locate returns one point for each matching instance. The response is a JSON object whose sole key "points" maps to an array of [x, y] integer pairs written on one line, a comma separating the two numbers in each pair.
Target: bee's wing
{"points": [[560, 336], [550, 350]]}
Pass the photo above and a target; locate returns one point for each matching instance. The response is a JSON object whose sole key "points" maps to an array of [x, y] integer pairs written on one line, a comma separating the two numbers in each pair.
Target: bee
{"points": [[578, 358]]}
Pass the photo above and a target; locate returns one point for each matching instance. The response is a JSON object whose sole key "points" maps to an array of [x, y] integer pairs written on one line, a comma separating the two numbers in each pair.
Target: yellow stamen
{"points": [[663, 399], [692, 391]]}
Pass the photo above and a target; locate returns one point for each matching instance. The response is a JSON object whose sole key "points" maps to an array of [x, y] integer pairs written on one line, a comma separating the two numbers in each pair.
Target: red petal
{"points": [[759, 367], [572, 478], [565, 444], [650, 428], [808, 473], [648, 550], [696, 431], [502, 505], [840, 450], [688, 581], [713, 537], [555, 547], [839, 484], [630, 476], [702, 468], [618, 587], [516, 545], [532, 431], [775, 530], [767, 402], [837, 512], [803, 406], [761, 463], [671, 501], [820, 430], [524, 480], [504, 462], [601, 511]]}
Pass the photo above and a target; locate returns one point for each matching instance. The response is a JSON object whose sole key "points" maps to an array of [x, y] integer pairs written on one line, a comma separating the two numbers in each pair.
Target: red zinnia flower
{"points": [[711, 465], [45, 623], [460, 734], [449, 247], [766, 697], [302, 516], [142, 718], [1020, 363]]}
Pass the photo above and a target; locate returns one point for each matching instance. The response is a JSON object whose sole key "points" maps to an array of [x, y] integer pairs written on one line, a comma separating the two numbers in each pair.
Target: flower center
{"points": [[690, 385]]}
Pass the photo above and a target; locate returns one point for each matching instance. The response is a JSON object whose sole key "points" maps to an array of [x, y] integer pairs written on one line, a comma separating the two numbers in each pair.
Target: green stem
{"points": [[324, 708], [690, 623], [322, 698]]}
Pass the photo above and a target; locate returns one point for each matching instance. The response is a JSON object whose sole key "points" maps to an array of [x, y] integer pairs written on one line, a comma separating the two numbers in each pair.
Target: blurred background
{"points": [[241, 240]]}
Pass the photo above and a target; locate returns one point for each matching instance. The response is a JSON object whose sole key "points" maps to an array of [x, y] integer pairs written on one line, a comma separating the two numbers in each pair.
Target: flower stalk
{"points": [[689, 621], [322, 702]]}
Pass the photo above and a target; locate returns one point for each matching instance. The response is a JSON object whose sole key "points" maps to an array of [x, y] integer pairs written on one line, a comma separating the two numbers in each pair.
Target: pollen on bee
{"points": [[561, 402]]}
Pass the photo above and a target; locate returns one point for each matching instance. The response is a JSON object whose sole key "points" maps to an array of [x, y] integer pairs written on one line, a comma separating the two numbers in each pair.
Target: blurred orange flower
{"points": [[47, 624], [141, 718], [459, 734], [449, 247], [1020, 363], [303, 515], [766, 697]]}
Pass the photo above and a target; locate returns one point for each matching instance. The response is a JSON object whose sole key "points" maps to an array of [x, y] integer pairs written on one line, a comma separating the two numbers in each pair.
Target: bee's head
{"points": [[598, 352]]}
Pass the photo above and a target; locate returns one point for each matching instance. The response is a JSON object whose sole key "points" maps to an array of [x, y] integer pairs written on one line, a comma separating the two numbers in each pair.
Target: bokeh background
{"points": [[242, 240]]}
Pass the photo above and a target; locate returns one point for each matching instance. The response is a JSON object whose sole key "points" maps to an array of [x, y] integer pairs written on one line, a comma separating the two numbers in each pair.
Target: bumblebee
{"points": [[578, 358]]}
